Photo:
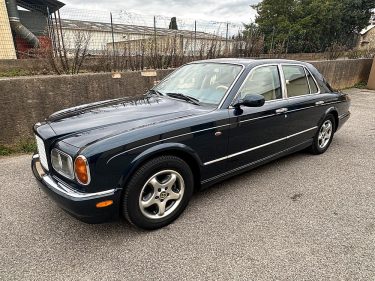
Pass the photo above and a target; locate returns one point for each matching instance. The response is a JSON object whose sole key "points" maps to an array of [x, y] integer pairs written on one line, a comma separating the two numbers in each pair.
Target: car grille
{"points": [[42, 152]]}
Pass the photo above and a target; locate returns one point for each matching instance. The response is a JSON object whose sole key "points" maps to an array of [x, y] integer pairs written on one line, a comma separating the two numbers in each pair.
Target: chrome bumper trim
{"points": [[65, 190]]}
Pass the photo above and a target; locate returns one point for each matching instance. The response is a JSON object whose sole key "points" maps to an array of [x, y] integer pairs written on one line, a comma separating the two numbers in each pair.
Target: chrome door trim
{"points": [[257, 147], [256, 118], [251, 164]]}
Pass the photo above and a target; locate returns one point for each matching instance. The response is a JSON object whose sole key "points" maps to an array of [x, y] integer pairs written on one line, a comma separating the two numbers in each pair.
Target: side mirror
{"points": [[251, 100]]}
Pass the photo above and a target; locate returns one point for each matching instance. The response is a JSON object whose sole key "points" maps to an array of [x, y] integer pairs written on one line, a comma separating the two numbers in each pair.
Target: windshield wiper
{"points": [[184, 97], [155, 92]]}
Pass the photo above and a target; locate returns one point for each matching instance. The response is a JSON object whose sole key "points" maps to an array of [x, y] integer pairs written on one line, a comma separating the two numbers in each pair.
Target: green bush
{"points": [[14, 73], [27, 145]]}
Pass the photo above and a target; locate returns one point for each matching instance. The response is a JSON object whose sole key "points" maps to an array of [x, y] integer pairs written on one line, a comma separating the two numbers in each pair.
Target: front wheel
{"points": [[158, 192], [324, 135]]}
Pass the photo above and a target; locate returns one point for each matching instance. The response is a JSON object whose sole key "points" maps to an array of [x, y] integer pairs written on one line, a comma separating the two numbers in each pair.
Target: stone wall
{"points": [[27, 100]]}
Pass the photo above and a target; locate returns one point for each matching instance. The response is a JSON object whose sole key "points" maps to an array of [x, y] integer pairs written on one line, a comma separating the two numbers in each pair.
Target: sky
{"points": [[236, 11]]}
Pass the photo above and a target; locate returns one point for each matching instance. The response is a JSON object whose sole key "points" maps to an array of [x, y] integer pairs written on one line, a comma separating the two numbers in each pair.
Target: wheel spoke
{"points": [[149, 202], [173, 195], [161, 207], [155, 184]]}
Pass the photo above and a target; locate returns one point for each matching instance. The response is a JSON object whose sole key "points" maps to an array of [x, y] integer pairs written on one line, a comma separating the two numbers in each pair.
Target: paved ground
{"points": [[302, 217]]}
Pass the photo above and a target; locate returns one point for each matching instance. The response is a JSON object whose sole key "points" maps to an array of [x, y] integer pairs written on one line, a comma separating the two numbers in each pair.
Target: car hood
{"points": [[108, 118]]}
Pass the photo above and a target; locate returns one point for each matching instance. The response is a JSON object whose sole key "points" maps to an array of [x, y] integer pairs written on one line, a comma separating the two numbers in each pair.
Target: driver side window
{"points": [[263, 81]]}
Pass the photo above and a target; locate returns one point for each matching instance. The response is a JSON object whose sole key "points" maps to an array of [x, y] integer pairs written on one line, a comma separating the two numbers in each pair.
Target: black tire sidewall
{"points": [[133, 189]]}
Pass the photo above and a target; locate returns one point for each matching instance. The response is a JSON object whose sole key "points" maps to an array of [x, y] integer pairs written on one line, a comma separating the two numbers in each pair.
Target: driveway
{"points": [[302, 217]]}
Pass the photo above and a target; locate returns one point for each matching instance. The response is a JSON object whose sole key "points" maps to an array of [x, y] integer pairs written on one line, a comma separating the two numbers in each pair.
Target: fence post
{"points": [[195, 38], [113, 36], [226, 40], [155, 48]]}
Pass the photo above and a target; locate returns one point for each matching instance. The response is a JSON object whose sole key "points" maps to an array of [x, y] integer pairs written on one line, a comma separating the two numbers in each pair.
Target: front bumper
{"points": [[78, 204]]}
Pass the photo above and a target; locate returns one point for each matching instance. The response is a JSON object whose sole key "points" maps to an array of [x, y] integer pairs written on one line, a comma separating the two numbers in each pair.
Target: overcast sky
{"points": [[217, 10]]}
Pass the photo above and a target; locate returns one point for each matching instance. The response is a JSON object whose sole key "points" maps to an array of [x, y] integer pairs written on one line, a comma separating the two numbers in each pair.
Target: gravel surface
{"points": [[302, 217]]}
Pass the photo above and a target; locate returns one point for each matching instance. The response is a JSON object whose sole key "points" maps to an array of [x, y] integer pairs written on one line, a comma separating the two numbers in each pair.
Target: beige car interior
{"points": [[263, 81]]}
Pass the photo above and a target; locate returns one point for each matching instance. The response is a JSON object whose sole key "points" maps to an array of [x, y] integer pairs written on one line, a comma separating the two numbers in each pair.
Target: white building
{"points": [[100, 38]]}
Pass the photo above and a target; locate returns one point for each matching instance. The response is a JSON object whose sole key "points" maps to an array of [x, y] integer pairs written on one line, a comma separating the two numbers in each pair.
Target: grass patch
{"points": [[15, 72], [24, 146], [361, 85]]}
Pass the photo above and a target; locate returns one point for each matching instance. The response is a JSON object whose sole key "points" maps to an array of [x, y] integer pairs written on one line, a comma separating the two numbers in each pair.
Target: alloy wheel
{"points": [[161, 194], [325, 134]]}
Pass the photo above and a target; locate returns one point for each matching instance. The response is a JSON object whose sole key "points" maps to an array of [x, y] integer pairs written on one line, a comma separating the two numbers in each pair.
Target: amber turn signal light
{"points": [[104, 204], [81, 169]]}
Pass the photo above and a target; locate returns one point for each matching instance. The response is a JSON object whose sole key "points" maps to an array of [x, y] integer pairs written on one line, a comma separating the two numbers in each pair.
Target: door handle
{"points": [[281, 110], [319, 102]]}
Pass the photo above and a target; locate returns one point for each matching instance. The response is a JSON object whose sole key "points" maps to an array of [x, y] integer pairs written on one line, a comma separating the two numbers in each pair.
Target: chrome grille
{"points": [[42, 152]]}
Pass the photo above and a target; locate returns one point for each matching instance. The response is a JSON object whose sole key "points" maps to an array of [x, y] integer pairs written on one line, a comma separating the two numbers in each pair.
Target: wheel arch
{"points": [[175, 149], [332, 110]]}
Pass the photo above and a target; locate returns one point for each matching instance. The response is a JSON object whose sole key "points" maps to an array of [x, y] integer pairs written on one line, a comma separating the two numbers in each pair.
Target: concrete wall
{"points": [[27, 100], [371, 79], [342, 74]]}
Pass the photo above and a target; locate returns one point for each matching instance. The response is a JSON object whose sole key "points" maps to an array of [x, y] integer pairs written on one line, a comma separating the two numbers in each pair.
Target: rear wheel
{"points": [[158, 192], [324, 135]]}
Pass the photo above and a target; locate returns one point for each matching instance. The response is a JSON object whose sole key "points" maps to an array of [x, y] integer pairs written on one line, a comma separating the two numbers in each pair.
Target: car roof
{"points": [[251, 62]]}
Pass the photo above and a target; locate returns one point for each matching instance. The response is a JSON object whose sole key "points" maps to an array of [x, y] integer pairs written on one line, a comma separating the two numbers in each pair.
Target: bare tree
{"points": [[67, 54]]}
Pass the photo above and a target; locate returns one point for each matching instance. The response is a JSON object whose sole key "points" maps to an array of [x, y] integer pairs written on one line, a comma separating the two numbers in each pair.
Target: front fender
{"points": [[163, 148]]}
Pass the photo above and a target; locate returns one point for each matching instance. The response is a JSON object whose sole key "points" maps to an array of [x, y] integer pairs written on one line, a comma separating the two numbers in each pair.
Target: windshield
{"points": [[205, 82]]}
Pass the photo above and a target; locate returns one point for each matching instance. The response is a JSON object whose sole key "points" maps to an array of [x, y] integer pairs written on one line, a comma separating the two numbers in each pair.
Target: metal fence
{"points": [[121, 39]]}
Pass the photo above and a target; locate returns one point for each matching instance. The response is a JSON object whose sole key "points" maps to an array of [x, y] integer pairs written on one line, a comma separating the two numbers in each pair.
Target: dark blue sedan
{"points": [[143, 157]]}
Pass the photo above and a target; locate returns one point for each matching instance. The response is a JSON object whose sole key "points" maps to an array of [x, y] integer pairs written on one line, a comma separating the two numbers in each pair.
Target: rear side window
{"points": [[313, 87], [296, 80]]}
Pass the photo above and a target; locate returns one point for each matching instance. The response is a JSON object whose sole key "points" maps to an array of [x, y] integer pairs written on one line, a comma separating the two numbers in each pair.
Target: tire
{"points": [[158, 192], [324, 135]]}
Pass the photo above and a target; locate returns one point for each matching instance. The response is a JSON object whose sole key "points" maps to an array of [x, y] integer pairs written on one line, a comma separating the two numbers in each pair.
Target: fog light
{"points": [[104, 204]]}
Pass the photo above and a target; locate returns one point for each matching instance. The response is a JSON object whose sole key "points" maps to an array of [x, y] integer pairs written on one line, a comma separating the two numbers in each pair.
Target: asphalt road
{"points": [[302, 217]]}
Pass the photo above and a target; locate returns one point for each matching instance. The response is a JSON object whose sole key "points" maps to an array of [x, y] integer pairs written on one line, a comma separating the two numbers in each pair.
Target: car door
{"points": [[304, 103], [257, 133]]}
